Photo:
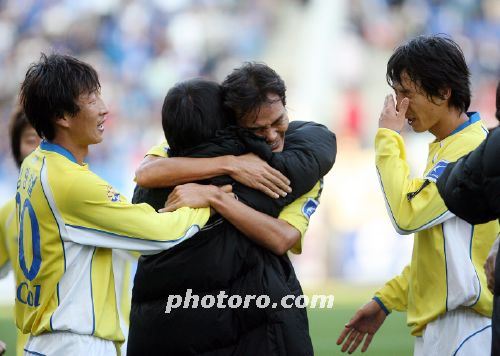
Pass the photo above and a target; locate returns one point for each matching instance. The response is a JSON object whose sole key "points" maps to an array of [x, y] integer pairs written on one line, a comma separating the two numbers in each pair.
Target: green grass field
{"points": [[393, 339]]}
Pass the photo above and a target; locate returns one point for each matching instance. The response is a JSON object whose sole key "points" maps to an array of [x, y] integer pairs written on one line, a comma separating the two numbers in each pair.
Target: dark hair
{"points": [[18, 123], [52, 87], [246, 88], [192, 112], [436, 63], [497, 113]]}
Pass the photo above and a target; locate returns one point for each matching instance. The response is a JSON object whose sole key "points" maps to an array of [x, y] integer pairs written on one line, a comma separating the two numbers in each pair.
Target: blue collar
{"points": [[48, 146], [473, 118]]}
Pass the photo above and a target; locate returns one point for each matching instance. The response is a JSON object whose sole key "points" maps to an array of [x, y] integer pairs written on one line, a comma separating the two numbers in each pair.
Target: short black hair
{"points": [[18, 123], [51, 88], [192, 113], [436, 63], [247, 87], [497, 113]]}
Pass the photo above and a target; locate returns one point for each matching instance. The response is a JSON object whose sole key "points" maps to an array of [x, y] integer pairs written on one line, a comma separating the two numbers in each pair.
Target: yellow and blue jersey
{"points": [[446, 270], [8, 253], [8, 236], [297, 213], [69, 219]]}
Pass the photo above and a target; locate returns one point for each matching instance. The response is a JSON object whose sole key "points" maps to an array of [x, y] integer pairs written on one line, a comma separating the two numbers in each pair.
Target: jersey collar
{"points": [[473, 118], [48, 146]]}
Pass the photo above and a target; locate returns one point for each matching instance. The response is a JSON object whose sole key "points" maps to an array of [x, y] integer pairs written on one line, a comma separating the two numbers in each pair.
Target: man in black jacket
{"points": [[241, 267], [470, 188]]}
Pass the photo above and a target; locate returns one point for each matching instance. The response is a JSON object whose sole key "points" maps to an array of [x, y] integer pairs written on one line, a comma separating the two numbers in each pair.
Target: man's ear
{"points": [[62, 121], [445, 93]]}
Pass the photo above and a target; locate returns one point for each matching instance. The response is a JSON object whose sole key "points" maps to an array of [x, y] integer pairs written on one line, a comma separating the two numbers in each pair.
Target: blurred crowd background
{"points": [[331, 54]]}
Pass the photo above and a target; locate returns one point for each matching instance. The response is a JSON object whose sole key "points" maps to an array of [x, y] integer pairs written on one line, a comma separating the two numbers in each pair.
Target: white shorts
{"points": [[460, 332], [64, 343]]}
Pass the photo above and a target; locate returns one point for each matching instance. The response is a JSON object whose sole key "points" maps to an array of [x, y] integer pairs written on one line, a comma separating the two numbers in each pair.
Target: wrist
{"points": [[381, 305], [390, 127], [228, 164], [216, 197]]}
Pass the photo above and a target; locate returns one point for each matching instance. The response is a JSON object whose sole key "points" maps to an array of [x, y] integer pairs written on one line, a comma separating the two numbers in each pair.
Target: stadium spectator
{"points": [[444, 289], [70, 218], [470, 188], [24, 140], [268, 118]]}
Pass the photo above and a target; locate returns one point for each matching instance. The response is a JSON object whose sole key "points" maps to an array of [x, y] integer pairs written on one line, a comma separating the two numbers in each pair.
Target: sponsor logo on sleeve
{"points": [[309, 208], [436, 171]]}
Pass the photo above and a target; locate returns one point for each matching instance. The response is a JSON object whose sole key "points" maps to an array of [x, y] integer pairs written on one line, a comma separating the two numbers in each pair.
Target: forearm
{"points": [[413, 204], [274, 234], [158, 172]]}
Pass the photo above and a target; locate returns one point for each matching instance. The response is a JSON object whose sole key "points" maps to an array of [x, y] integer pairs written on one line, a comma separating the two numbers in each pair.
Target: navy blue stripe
{"points": [[129, 237], [468, 337], [470, 256], [381, 305], [54, 215], [52, 147], [92, 293], [33, 352], [445, 265], [392, 214], [320, 189], [473, 118], [60, 237]]}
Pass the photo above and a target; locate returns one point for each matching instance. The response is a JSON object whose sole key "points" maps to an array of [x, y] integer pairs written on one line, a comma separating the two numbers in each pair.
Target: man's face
{"points": [[270, 121], [29, 141], [423, 114], [87, 126]]}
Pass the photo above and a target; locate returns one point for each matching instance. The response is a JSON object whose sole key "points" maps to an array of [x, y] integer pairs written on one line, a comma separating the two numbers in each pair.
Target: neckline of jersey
{"points": [[473, 118], [53, 147]]}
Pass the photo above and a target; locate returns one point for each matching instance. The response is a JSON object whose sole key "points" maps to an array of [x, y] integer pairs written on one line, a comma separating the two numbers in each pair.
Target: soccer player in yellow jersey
{"points": [[443, 289], [69, 219], [24, 140]]}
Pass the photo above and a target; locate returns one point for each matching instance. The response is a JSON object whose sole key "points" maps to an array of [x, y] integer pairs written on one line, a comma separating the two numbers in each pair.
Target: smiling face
{"points": [[270, 121], [87, 126], [424, 113]]}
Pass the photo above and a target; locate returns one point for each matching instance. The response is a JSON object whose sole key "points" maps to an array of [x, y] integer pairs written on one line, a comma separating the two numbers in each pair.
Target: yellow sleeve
{"points": [[160, 150], [408, 213], [299, 212], [4, 255], [394, 294], [4, 252], [95, 214]]}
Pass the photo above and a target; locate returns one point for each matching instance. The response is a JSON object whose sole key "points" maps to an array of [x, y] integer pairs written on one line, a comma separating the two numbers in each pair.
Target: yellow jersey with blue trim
{"points": [[69, 220], [297, 213], [8, 253], [8, 236], [446, 271]]}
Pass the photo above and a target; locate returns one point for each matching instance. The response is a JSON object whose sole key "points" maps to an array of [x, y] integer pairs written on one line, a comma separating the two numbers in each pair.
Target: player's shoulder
{"points": [[464, 141], [160, 150]]}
